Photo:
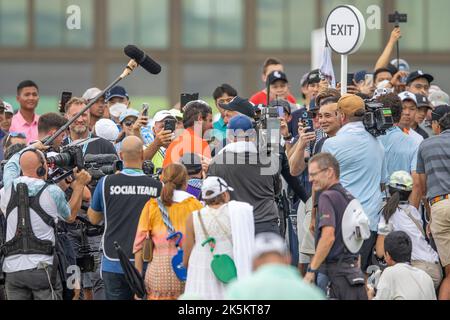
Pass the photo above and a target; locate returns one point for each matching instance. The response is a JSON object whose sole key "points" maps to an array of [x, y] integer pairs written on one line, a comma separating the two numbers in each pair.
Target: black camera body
{"points": [[170, 124], [377, 118], [101, 165], [398, 18], [69, 158], [268, 129]]}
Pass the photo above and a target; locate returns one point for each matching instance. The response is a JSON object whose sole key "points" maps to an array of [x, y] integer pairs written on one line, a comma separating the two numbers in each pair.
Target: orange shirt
{"points": [[188, 142]]}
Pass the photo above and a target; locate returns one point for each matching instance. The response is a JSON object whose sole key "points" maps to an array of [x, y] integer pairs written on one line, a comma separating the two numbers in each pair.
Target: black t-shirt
{"points": [[332, 205], [99, 146]]}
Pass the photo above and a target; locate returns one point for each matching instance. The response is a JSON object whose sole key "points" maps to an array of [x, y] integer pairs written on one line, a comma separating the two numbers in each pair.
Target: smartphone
{"points": [[188, 97], [368, 79], [280, 111], [350, 77], [307, 122], [145, 107], [170, 124], [65, 97]]}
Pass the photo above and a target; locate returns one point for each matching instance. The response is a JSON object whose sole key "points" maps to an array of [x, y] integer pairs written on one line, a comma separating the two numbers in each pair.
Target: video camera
{"points": [[100, 165], [63, 163], [268, 128], [377, 118]]}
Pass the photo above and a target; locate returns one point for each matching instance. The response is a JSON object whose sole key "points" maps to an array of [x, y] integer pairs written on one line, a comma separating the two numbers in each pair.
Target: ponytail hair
{"points": [[174, 177], [393, 202]]}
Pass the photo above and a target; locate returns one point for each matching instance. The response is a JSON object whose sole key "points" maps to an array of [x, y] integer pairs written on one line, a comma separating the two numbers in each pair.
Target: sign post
{"points": [[345, 31]]}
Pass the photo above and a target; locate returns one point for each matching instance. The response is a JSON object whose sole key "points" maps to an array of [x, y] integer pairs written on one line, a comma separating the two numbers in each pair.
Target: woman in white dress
{"points": [[231, 224]]}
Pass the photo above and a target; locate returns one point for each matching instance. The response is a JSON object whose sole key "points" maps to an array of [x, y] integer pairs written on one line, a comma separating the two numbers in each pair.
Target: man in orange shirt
{"points": [[197, 120]]}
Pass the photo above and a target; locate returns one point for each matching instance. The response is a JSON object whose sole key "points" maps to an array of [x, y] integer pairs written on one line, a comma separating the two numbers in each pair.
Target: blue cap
{"points": [[117, 91], [240, 122], [240, 105], [128, 113]]}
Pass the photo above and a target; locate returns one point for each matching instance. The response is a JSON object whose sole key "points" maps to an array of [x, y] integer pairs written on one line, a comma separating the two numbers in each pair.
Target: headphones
{"points": [[40, 171]]}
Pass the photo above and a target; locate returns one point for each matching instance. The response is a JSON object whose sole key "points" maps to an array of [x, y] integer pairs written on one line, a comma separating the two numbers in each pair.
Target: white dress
{"points": [[201, 282]]}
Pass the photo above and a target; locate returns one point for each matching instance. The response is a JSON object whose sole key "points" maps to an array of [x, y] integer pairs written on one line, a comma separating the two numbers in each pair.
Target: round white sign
{"points": [[345, 29]]}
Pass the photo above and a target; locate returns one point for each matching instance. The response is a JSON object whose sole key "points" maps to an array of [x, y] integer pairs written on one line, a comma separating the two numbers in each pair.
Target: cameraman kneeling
{"points": [[32, 207]]}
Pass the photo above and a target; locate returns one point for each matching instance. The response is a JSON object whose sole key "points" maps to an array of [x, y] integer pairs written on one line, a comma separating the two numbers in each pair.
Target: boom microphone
{"points": [[142, 59]]}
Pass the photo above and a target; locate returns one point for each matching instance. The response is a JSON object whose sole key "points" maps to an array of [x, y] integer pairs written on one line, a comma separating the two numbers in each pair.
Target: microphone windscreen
{"points": [[142, 59]]}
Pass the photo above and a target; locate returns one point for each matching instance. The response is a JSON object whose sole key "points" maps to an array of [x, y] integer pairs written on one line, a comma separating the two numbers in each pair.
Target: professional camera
{"points": [[268, 128], [101, 165], [69, 158], [377, 118]]}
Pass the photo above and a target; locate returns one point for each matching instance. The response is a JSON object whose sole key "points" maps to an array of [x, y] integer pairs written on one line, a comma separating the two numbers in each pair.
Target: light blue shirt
{"points": [[362, 166], [400, 151]]}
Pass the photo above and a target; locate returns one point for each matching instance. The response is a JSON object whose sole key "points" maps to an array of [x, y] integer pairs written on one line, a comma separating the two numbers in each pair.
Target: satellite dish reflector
{"points": [[355, 226]]}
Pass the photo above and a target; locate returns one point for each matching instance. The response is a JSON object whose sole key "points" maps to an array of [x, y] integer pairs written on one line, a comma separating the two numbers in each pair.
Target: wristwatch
{"points": [[288, 138], [309, 270]]}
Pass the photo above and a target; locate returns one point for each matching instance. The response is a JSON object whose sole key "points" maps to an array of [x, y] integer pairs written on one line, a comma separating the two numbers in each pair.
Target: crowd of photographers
{"points": [[181, 195]]}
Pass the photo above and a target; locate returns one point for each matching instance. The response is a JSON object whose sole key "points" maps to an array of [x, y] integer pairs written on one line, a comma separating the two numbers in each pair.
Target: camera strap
{"points": [[165, 216]]}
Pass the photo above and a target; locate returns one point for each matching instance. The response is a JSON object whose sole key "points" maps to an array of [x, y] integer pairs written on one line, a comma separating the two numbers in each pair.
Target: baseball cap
{"points": [[402, 64], [107, 129], [240, 105], [439, 98], [177, 114], [117, 91], [439, 112], [401, 180], [91, 93], [117, 109], [314, 76], [240, 122], [161, 115], [419, 74], [128, 113], [349, 104], [304, 80], [275, 76], [269, 242], [382, 92], [422, 101], [214, 186], [406, 95], [8, 107]]}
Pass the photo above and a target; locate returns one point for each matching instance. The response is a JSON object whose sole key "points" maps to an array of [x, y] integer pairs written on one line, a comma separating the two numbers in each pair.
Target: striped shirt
{"points": [[433, 159]]}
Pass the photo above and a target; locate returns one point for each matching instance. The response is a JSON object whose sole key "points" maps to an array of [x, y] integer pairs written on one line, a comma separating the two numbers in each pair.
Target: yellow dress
{"points": [[161, 282]]}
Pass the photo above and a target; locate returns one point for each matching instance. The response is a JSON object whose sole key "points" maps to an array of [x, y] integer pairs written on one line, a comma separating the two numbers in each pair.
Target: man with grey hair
{"points": [[332, 256]]}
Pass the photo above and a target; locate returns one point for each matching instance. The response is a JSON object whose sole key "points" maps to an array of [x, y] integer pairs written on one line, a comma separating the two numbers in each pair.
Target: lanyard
{"points": [[85, 145]]}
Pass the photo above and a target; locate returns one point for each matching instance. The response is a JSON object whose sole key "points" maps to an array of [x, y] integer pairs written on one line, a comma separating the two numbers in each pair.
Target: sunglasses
{"points": [[128, 123], [14, 135]]}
